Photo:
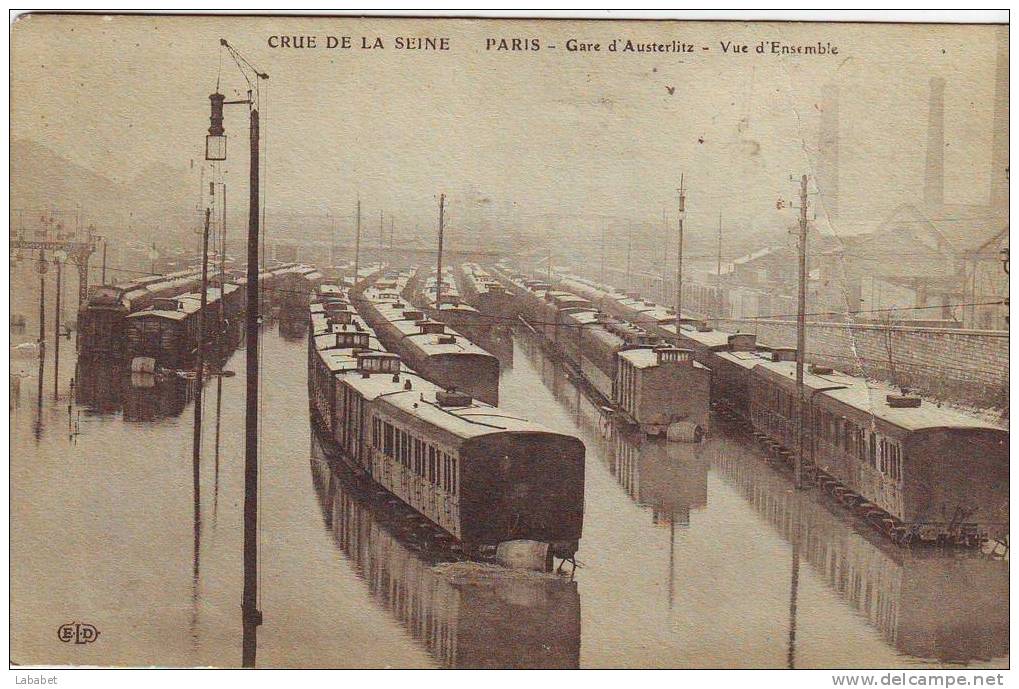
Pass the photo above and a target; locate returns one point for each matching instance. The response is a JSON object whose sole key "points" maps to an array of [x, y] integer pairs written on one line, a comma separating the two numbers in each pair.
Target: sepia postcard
{"points": [[509, 342]]}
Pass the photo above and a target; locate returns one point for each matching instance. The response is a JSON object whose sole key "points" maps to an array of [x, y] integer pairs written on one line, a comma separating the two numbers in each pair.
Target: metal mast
{"points": [[681, 215], [438, 267]]}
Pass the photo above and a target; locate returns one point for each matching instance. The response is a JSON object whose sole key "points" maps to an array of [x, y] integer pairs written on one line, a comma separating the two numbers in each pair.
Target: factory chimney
{"points": [[828, 151], [999, 144], [934, 171]]}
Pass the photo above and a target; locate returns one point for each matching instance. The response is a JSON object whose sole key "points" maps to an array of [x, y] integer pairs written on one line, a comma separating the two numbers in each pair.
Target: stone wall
{"points": [[961, 367]]}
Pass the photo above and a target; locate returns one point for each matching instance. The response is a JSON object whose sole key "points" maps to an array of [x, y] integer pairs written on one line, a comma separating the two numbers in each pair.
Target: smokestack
{"points": [[999, 144], [828, 150], [934, 171]]}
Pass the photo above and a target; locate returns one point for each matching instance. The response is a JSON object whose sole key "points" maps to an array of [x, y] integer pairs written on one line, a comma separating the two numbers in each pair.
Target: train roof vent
{"points": [[412, 315], [352, 339], [429, 327], [783, 354], [703, 327], [742, 342], [447, 339], [903, 401], [369, 362], [668, 353], [453, 398], [820, 370]]}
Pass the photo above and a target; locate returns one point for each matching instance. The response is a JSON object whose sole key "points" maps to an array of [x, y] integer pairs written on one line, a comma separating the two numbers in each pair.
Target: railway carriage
{"points": [[436, 352], [917, 471], [922, 472], [479, 474], [659, 386], [101, 321], [168, 331]]}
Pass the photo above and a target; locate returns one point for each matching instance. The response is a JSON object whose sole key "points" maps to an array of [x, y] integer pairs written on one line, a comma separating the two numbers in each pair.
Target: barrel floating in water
{"points": [[685, 432], [143, 364], [524, 554]]}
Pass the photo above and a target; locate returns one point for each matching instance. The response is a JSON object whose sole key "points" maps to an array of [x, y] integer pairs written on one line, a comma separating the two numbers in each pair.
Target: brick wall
{"points": [[961, 367]]}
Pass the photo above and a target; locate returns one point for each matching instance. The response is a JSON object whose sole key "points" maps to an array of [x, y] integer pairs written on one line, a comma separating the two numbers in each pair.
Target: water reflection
{"points": [[111, 388], [467, 615], [946, 606], [933, 606]]}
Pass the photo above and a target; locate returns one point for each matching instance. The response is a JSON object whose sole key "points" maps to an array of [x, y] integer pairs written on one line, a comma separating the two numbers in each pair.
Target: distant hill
{"points": [[156, 205]]}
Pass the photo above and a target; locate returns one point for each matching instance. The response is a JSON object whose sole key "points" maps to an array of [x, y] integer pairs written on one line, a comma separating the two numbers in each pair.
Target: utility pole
{"points": [[801, 335], [56, 326], [718, 273], [196, 440], [251, 616], [438, 268], [357, 246], [629, 251], [680, 215], [41, 268], [718, 264], [380, 240], [603, 254], [391, 223], [104, 261], [222, 280]]}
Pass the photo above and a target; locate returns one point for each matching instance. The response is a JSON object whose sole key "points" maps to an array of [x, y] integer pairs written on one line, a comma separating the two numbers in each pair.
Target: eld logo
{"points": [[78, 632]]}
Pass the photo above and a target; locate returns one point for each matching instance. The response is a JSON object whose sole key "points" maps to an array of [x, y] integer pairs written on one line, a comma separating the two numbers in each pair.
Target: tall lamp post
{"points": [[215, 150]]}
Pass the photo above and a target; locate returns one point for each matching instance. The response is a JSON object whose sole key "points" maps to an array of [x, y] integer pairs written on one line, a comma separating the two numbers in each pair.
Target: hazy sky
{"points": [[567, 134]]}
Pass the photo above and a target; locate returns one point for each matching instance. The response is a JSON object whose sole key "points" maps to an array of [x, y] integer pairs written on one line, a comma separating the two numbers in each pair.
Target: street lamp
{"points": [[215, 141]]}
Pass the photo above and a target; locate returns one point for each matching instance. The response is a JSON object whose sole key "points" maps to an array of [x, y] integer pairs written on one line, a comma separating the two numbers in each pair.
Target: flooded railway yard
{"points": [[692, 555]]}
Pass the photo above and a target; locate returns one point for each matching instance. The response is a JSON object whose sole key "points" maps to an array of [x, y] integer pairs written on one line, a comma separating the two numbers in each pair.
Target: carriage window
{"points": [[872, 450], [453, 477], [388, 440], [432, 469], [405, 449], [896, 461]]}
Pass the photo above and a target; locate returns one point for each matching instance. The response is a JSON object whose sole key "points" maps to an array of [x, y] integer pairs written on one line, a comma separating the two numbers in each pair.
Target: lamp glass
{"points": [[215, 147]]}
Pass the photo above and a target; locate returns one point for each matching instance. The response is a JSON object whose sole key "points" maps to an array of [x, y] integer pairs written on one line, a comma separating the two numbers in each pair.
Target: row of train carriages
{"points": [[434, 348], [652, 383], [916, 470], [481, 480], [158, 317]]}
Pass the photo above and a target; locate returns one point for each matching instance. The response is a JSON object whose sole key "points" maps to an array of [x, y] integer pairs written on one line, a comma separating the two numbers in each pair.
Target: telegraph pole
{"points": [[56, 327], [438, 268], [718, 265], [603, 255], [104, 260], [718, 273], [196, 440], [801, 335], [41, 267], [681, 215], [629, 251], [380, 240], [391, 223], [357, 246]]}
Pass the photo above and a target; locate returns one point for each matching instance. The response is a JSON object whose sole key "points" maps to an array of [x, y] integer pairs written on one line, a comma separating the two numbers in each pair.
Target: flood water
{"points": [[691, 556]]}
